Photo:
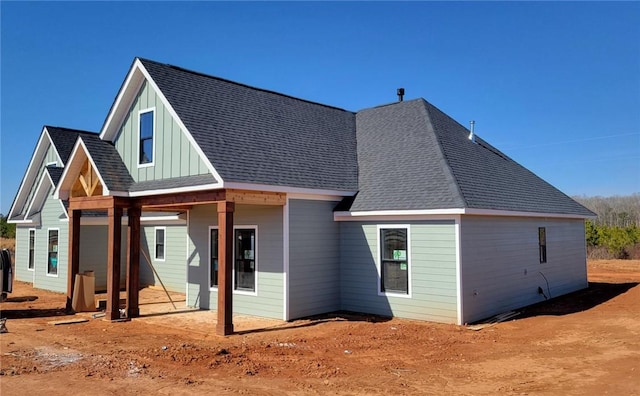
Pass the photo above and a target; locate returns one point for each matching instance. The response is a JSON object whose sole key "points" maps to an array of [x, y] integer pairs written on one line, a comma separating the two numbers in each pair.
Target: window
{"points": [[394, 260], [146, 138], [244, 269], [52, 262], [542, 244], [160, 241], [213, 256], [32, 248], [245, 260]]}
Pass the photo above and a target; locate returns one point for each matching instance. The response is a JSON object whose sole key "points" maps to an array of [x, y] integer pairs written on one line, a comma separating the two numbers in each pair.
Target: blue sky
{"points": [[556, 86]]}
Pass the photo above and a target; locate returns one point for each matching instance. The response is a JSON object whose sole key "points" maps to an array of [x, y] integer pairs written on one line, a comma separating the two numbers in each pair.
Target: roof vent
{"points": [[472, 135], [400, 94]]}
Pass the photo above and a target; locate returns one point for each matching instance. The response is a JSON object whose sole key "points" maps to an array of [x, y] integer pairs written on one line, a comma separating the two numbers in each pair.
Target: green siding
{"points": [[93, 253], [49, 157], [432, 265], [268, 300], [314, 258], [52, 216], [21, 259], [174, 155], [171, 270], [501, 268]]}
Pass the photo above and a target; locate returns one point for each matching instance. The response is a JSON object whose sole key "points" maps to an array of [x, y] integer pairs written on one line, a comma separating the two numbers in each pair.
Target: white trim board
{"points": [[429, 214]]}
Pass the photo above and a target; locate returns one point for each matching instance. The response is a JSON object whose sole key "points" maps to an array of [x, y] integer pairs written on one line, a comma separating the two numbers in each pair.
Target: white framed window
{"points": [[160, 243], [394, 260], [245, 254], [52, 251], [245, 259], [32, 249], [146, 137]]}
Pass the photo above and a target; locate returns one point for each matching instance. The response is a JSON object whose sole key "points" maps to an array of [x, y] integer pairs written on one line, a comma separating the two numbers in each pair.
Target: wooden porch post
{"points": [[74, 254], [225, 266], [114, 214], [133, 262]]}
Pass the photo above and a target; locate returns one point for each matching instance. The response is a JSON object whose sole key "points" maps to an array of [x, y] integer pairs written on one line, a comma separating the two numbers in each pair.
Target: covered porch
{"points": [[131, 208]]}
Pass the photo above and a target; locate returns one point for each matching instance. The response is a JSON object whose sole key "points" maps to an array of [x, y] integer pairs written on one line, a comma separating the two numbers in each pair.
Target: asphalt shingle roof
{"points": [[55, 173], [413, 156], [65, 138], [256, 136], [113, 171], [175, 182]]}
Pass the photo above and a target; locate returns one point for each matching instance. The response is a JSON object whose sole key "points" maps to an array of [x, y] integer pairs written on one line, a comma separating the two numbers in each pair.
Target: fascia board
{"points": [[430, 213], [29, 177], [40, 196]]}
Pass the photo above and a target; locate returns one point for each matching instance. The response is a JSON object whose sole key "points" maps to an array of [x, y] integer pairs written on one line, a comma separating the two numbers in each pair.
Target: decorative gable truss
{"points": [[81, 177], [87, 183]]}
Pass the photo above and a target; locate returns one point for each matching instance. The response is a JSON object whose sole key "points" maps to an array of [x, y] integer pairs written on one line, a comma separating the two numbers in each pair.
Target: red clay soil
{"points": [[584, 343]]}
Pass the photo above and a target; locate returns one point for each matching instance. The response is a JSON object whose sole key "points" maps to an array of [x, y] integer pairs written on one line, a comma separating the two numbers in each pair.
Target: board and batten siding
{"points": [[174, 155], [268, 300], [500, 262], [314, 258], [172, 270], [432, 264]]}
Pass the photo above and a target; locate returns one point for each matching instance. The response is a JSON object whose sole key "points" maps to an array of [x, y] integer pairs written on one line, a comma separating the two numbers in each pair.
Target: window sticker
{"points": [[400, 255], [403, 266]]}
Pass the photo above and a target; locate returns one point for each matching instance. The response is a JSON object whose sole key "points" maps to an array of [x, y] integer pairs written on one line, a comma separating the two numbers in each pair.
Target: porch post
{"points": [[133, 262], [225, 266], [74, 254], [114, 215]]}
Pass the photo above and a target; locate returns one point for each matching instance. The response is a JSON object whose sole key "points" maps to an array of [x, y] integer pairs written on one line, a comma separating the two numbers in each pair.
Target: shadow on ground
{"points": [[315, 320], [31, 313], [597, 293]]}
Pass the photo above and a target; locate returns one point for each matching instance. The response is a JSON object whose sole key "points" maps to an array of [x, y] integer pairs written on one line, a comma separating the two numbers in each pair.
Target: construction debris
{"points": [[494, 320], [3, 325], [68, 321]]}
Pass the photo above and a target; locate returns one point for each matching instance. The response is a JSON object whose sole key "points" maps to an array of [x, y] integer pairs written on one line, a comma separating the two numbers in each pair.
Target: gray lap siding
{"points": [[432, 264], [501, 267], [314, 256], [268, 301]]}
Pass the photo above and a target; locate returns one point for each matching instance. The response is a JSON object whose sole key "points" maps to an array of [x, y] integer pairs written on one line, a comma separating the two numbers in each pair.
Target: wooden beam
{"points": [[256, 197], [74, 254], [113, 263], [97, 203], [176, 208], [225, 265], [180, 199], [133, 262]]}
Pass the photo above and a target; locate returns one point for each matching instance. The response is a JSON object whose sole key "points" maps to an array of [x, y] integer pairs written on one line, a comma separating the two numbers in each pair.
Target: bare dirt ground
{"points": [[584, 343]]}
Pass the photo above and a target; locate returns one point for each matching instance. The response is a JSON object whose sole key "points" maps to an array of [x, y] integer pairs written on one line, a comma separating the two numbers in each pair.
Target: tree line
{"points": [[7, 230], [615, 232]]}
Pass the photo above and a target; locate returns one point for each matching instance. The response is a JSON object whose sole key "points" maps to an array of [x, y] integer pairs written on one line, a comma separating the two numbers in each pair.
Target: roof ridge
{"points": [[71, 129], [449, 173], [202, 74], [392, 103]]}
